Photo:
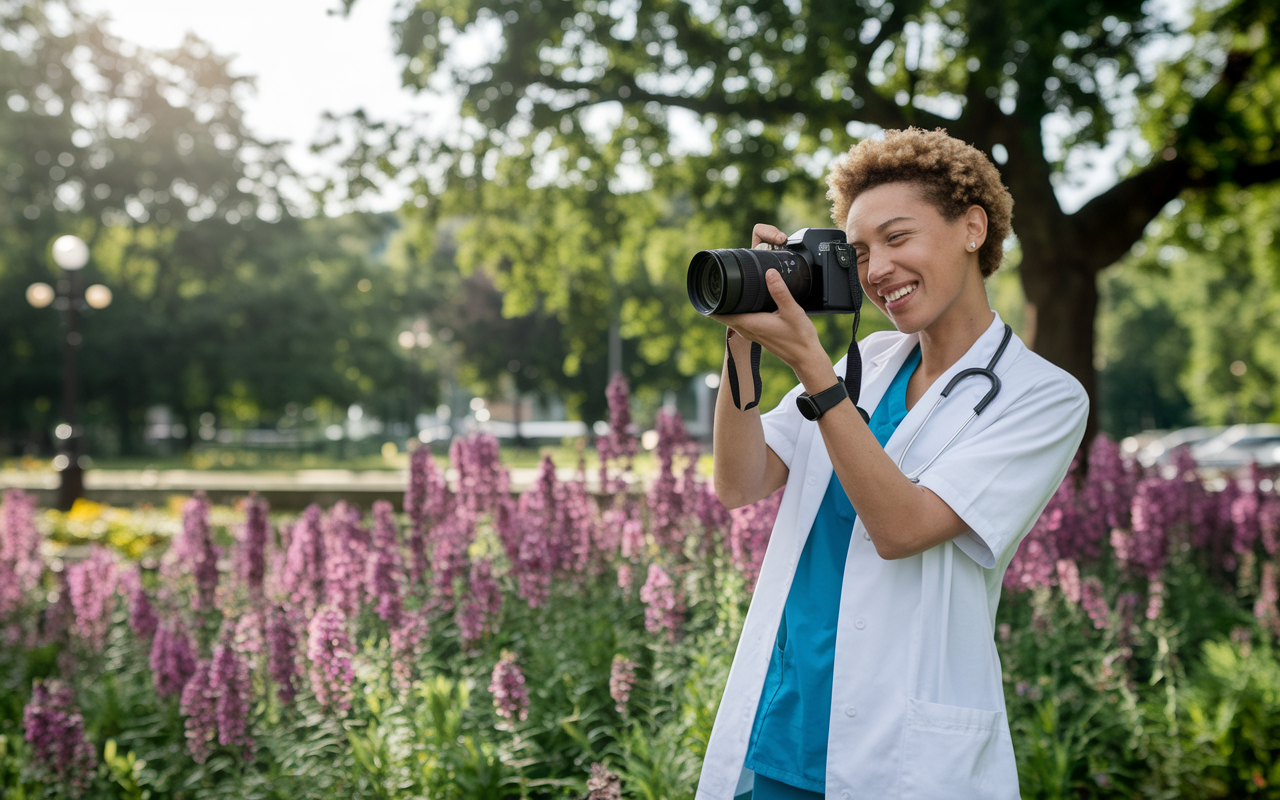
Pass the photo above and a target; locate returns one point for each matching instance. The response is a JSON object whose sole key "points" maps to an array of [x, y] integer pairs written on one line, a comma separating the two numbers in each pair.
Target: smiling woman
{"points": [[867, 663]]}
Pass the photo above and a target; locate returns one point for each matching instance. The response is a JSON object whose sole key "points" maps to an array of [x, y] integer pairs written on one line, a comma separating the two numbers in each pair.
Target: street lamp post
{"points": [[70, 253]]}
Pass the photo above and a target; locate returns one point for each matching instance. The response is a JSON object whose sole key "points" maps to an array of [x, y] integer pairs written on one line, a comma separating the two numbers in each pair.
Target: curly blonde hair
{"points": [[952, 175]]}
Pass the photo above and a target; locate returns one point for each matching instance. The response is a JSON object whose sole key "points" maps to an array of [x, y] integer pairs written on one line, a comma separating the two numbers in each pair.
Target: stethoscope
{"points": [[987, 372]]}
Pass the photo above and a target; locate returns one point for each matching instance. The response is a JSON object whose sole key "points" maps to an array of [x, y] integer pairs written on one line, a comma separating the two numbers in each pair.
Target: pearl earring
{"points": [[972, 245]]}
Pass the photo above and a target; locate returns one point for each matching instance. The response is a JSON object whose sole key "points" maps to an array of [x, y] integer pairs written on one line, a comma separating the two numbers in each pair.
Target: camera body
{"points": [[818, 266]]}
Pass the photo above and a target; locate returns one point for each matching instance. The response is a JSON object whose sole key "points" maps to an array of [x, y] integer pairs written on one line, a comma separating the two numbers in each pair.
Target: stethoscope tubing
{"points": [[987, 372]]}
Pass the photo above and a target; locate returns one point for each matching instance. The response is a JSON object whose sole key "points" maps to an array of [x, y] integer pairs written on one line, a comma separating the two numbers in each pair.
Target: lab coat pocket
{"points": [[956, 752]]}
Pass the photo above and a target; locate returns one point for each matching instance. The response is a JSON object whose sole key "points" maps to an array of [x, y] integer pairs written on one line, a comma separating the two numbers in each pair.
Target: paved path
{"points": [[284, 490]]}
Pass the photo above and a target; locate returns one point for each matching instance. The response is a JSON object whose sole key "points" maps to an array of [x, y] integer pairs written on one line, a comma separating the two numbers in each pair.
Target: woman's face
{"points": [[914, 264]]}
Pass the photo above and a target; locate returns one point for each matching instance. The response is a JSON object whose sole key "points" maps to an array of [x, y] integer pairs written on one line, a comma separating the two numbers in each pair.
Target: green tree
{"points": [[225, 300], [582, 101], [1191, 322]]}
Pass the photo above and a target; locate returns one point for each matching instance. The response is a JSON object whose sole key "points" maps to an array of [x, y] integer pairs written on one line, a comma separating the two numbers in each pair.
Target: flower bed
{"points": [[562, 645]]}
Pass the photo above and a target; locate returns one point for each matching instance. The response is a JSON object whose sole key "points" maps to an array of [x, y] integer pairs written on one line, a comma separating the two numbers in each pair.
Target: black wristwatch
{"points": [[814, 406]]}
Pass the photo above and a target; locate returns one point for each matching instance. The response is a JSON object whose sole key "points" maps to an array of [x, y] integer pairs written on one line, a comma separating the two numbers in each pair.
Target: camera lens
{"points": [[732, 281]]}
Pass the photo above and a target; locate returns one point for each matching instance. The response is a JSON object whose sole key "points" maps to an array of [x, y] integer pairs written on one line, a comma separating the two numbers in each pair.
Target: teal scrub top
{"points": [[789, 737]]}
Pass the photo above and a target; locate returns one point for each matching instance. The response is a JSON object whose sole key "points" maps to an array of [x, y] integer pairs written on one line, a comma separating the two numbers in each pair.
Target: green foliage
{"points": [[1231, 721], [1199, 296]]}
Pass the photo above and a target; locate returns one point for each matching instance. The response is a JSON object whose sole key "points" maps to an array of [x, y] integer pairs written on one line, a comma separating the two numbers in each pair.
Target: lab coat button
{"points": [[851, 711], [845, 795], [866, 536], [859, 623], [811, 481]]}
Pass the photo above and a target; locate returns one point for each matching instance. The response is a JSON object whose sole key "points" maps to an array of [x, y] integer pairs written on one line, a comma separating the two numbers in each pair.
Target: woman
{"points": [[867, 664]]}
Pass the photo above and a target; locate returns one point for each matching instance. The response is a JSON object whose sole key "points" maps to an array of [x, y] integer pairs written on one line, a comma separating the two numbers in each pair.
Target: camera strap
{"points": [[852, 364]]}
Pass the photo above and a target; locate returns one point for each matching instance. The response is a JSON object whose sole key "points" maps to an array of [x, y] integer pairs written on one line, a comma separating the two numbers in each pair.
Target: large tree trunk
{"points": [[1062, 301]]}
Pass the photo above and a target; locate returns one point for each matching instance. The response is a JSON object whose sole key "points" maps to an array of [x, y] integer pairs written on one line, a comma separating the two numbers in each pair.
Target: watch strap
{"points": [[814, 406]]}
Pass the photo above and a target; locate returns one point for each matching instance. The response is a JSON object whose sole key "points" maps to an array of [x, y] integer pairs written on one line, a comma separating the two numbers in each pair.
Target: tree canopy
{"points": [[606, 140]]}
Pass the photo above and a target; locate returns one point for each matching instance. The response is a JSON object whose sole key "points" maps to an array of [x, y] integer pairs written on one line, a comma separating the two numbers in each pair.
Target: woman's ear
{"points": [[975, 226]]}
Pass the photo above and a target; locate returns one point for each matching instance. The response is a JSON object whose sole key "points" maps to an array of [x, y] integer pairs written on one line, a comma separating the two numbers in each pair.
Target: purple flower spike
{"points": [[20, 562], [510, 697], [618, 447], [282, 646], [345, 558], [92, 584], [477, 614], [749, 535], [252, 555], [230, 683], [173, 659], [303, 576], [329, 651], [54, 728], [663, 608], [622, 677], [385, 572], [199, 706], [142, 615], [195, 548]]}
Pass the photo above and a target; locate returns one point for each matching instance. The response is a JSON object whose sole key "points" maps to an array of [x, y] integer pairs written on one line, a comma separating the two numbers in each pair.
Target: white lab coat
{"points": [[917, 705]]}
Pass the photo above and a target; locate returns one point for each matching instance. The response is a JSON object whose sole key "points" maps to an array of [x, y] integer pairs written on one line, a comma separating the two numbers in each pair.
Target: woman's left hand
{"points": [[788, 333]]}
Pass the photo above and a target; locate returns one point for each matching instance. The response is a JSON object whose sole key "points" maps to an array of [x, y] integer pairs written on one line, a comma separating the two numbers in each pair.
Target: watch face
{"points": [[808, 408]]}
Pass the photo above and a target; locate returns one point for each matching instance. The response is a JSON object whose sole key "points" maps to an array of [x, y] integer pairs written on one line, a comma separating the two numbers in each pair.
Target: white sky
{"points": [[307, 61]]}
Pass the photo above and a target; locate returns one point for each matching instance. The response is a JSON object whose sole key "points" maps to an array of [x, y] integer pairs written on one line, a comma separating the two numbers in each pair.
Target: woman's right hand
{"points": [[764, 233]]}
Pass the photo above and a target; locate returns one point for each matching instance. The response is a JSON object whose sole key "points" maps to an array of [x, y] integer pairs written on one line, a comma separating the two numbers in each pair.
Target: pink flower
{"points": [[329, 651], [142, 615], [478, 612], [1264, 608], [1106, 496], [663, 608], [1069, 580], [200, 707], [54, 728], [603, 784], [715, 518], [618, 447], [1269, 524], [1154, 507], [1155, 599], [1034, 564], [303, 576], [671, 497], [624, 576], [510, 698], [450, 542], [230, 684], [20, 562], [749, 535], [634, 544], [173, 659], [345, 558], [282, 646], [195, 547], [385, 572], [1245, 513], [622, 677], [252, 554], [427, 501], [92, 583], [482, 480], [406, 648], [1095, 603]]}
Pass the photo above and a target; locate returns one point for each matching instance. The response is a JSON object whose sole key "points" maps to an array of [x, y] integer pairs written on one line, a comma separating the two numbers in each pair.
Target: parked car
{"points": [[1160, 450], [1239, 445]]}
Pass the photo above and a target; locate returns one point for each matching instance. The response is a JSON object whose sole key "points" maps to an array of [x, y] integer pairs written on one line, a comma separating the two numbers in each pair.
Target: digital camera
{"points": [[818, 266]]}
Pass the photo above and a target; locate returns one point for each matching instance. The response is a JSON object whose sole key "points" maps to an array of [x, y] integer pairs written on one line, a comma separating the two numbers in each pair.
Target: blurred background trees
{"points": [[596, 146]]}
